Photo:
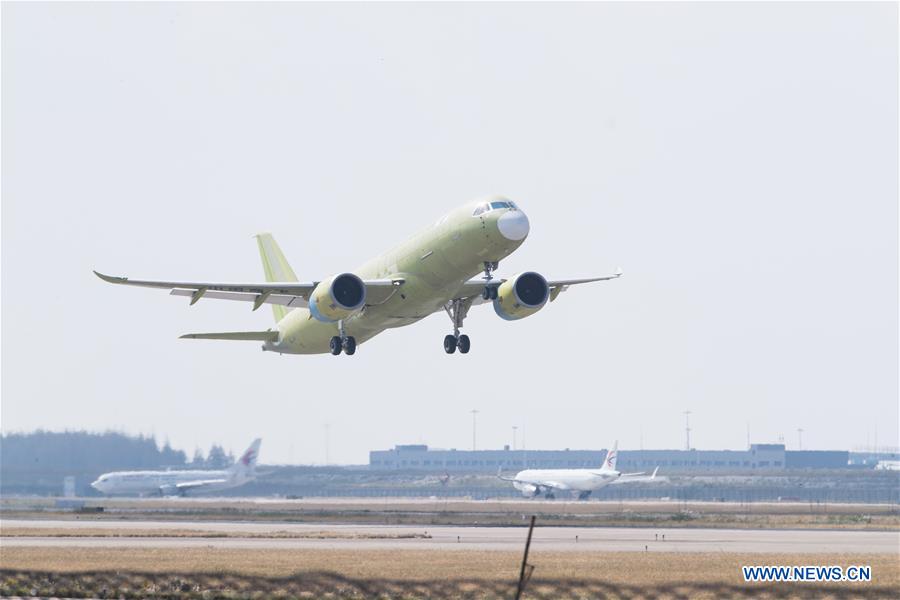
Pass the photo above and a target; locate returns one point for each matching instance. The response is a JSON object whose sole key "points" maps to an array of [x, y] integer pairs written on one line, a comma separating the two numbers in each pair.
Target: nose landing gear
{"points": [[342, 342]]}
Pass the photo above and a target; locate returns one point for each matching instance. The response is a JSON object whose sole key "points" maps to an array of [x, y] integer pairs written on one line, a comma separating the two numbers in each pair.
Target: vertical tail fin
{"points": [[243, 469], [610, 463], [275, 266]]}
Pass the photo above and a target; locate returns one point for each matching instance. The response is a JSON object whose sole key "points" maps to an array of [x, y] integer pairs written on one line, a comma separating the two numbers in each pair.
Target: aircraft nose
{"points": [[513, 225]]}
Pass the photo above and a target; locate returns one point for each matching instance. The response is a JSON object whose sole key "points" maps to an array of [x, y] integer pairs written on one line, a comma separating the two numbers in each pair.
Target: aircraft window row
{"points": [[489, 206]]}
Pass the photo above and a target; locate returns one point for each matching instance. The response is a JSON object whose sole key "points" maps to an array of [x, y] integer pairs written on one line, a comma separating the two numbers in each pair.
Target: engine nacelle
{"points": [[521, 296], [528, 490], [167, 489], [337, 298]]}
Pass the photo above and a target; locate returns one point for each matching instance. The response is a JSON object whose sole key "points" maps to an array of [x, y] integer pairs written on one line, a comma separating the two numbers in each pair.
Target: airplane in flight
{"points": [[179, 483], [431, 272], [534, 482]]}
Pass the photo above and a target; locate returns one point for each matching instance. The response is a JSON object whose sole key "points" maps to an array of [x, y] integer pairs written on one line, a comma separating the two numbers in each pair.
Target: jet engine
{"points": [[167, 489], [337, 298], [521, 296], [528, 490]]}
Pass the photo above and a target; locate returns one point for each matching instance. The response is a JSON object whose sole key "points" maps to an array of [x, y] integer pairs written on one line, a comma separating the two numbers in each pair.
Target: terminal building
{"points": [[760, 456]]}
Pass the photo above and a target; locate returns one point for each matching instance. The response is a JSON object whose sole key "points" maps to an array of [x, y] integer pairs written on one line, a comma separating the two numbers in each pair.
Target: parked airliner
{"points": [[431, 272], [179, 483], [534, 482]]}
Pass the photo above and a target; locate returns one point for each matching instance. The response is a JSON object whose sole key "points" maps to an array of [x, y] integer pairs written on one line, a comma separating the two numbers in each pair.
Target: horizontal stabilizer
{"points": [[247, 336]]}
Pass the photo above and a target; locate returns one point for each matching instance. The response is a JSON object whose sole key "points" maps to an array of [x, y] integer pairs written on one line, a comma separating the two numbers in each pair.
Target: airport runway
{"points": [[380, 537]]}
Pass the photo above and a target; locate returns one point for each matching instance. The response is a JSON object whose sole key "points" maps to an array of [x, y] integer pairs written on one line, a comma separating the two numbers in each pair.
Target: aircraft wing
{"points": [[291, 294], [190, 485], [472, 289], [501, 477], [636, 477], [547, 485]]}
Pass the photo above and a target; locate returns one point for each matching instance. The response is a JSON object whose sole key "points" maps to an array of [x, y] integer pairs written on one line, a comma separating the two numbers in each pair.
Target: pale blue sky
{"points": [[738, 160]]}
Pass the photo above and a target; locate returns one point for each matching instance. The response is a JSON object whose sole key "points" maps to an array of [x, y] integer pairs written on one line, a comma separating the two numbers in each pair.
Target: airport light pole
{"points": [[474, 413], [514, 437], [687, 430], [799, 438]]}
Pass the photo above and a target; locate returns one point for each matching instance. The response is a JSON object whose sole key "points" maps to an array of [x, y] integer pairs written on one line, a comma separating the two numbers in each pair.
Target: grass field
{"points": [[226, 573], [456, 512]]}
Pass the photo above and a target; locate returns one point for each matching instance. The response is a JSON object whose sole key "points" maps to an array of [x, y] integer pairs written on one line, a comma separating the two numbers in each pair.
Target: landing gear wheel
{"points": [[457, 310], [489, 293], [550, 496], [336, 345], [350, 345], [493, 293], [449, 344]]}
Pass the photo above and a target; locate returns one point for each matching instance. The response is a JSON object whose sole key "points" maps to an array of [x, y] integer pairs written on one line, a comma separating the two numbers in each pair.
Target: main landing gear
{"points": [[343, 342], [452, 342], [457, 310]]}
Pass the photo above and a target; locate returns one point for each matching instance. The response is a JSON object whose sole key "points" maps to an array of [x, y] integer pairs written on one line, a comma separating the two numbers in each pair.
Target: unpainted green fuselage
{"points": [[434, 264]]}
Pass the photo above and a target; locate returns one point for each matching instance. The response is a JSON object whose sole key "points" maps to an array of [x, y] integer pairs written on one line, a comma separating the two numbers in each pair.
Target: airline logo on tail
{"points": [[246, 465], [610, 463]]}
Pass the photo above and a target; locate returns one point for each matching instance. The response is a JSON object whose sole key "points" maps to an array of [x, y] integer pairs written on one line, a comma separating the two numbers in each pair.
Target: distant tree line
{"points": [[37, 462]]}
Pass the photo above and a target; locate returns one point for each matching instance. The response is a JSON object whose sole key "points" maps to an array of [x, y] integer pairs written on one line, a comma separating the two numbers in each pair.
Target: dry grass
{"points": [[231, 573], [618, 567], [313, 505], [432, 512]]}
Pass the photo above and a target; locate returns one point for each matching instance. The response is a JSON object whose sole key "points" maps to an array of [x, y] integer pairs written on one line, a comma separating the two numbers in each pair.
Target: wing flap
{"points": [[278, 299]]}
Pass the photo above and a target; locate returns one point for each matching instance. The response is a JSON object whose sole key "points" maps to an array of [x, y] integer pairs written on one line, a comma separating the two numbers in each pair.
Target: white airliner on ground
{"points": [[179, 483], [534, 482], [431, 272]]}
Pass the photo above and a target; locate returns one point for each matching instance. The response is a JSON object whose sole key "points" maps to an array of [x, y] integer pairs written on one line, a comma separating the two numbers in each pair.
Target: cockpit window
{"points": [[489, 206]]}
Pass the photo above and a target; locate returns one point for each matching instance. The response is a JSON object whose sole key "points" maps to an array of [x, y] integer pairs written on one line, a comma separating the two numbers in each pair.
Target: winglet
{"points": [[110, 278], [500, 475], [619, 271], [654, 473]]}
